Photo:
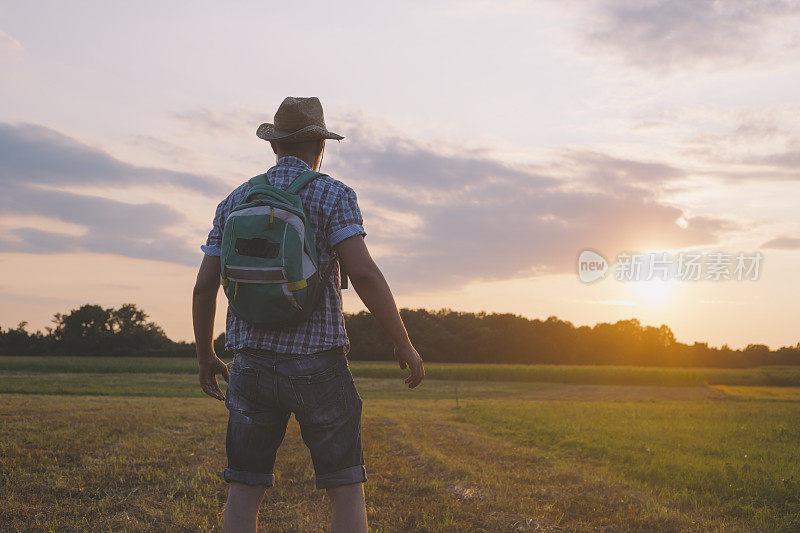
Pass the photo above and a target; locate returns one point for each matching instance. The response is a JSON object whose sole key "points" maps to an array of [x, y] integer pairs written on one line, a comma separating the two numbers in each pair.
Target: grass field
{"points": [[133, 445], [595, 375]]}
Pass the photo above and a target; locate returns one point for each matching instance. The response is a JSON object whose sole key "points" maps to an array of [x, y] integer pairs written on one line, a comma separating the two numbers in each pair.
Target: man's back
{"points": [[333, 213]]}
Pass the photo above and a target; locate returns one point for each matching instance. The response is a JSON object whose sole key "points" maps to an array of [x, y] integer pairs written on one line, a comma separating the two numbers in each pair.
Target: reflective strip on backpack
{"points": [[297, 285], [255, 274]]}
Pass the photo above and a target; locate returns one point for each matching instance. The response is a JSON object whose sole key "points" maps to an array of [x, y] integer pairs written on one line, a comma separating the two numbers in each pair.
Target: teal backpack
{"points": [[269, 262]]}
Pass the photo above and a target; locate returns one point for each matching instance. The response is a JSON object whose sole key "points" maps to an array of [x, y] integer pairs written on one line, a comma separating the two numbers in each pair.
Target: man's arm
{"points": [[204, 306], [371, 286]]}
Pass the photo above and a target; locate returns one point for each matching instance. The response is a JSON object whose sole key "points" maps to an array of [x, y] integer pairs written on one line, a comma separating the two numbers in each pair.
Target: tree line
{"points": [[441, 336]]}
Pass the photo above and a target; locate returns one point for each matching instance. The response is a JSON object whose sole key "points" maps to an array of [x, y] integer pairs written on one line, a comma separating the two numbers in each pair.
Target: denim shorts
{"points": [[266, 388]]}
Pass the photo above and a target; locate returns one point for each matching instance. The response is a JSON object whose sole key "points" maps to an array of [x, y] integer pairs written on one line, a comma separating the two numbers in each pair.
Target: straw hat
{"points": [[297, 120]]}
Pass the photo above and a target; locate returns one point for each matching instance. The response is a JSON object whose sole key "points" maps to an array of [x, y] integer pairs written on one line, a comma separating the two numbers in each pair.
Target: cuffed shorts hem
{"points": [[248, 478], [348, 476]]}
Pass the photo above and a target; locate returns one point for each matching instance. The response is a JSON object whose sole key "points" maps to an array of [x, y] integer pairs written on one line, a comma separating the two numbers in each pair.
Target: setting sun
{"points": [[654, 292]]}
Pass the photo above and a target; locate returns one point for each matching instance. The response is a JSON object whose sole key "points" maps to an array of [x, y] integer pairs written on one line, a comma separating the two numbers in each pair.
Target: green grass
{"points": [[113, 447], [608, 375], [186, 386], [99, 365], [737, 458], [98, 463], [789, 394]]}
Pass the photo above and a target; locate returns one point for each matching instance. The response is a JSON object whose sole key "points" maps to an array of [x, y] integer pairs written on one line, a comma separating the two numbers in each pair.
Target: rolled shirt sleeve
{"points": [[345, 219], [213, 245]]}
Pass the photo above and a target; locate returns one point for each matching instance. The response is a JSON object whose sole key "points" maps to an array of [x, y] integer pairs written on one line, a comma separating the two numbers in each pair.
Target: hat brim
{"points": [[268, 132]]}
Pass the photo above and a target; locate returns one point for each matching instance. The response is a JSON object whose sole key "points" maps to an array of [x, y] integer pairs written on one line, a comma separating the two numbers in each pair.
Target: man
{"points": [[300, 369]]}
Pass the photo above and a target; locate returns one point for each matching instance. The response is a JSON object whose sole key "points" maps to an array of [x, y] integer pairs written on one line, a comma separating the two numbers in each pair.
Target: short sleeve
{"points": [[345, 219], [213, 245]]}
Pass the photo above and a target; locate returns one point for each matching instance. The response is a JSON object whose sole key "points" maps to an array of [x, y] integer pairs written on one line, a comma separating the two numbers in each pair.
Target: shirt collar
{"points": [[291, 161]]}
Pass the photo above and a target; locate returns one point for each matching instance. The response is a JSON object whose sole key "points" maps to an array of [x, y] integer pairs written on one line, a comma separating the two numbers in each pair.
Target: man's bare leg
{"points": [[348, 510], [241, 509]]}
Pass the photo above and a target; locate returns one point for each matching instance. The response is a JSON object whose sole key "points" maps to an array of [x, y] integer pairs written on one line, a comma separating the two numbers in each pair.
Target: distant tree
{"points": [[444, 336], [133, 333], [84, 331], [94, 330], [127, 319], [19, 341]]}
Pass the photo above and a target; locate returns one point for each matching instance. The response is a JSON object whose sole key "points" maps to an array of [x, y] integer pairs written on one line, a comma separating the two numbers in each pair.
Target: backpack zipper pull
{"points": [[271, 216]]}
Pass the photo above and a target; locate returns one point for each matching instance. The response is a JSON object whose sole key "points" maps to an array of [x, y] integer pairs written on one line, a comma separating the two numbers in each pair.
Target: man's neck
{"points": [[310, 161]]}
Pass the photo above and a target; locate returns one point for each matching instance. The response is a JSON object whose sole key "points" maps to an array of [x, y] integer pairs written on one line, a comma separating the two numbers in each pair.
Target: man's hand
{"points": [[209, 368], [371, 286], [204, 304], [407, 356]]}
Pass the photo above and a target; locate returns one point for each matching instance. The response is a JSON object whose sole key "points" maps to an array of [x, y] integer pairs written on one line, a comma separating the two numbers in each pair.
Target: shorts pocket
{"points": [[243, 393], [350, 386], [320, 396]]}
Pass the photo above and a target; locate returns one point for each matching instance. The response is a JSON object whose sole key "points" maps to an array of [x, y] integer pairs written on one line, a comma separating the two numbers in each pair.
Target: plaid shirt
{"points": [[333, 213]]}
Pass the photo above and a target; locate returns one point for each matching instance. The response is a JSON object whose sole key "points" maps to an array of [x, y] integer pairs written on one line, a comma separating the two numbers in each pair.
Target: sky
{"points": [[489, 144]]}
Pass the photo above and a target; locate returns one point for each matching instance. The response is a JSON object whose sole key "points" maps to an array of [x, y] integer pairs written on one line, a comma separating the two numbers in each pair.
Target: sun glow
{"points": [[655, 292]]}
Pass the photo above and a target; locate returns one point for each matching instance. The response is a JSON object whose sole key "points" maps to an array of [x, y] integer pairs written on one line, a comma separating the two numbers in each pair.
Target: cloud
{"points": [[661, 34], [602, 170], [130, 230], [34, 160], [36, 154], [172, 152], [782, 243], [214, 122], [8, 45], [445, 219], [441, 217], [708, 225], [789, 159], [762, 145]]}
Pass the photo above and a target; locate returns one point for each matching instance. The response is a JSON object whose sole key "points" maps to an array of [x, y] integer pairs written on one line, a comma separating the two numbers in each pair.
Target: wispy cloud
{"points": [[474, 217], [601, 170], [9, 46], [37, 163], [662, 34], [214, 122], [782, 243], [788, 159], [441, 217], [171, 152], [751, 146], [112, 227], [31, 153]]}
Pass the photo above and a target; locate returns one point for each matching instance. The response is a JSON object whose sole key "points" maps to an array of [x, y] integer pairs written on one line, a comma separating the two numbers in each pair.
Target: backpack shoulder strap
{"points": [[302, 180], [261, 179]]}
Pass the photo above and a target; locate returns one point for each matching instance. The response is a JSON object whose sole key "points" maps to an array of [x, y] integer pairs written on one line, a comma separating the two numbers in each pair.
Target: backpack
{"points": [[269, 260]]}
